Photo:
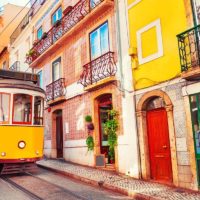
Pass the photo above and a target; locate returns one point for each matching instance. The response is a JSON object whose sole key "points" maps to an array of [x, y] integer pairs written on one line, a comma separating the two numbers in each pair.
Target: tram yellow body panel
{"points": [[10, 136]]}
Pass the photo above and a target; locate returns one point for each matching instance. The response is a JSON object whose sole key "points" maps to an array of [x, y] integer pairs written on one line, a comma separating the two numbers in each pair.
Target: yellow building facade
{"points": [[154, 25], [165, 142]]}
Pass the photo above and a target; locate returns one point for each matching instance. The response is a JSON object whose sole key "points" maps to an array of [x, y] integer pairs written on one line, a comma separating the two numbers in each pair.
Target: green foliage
{"points": [[110, 128], [90, 143], [88, 118]]}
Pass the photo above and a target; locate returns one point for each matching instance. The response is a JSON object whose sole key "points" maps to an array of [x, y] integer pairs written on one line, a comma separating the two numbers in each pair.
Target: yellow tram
{"points": [[21, 121]]}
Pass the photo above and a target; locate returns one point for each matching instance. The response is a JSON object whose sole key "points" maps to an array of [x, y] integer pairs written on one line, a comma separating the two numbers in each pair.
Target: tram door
{"points": [[59, 134]]}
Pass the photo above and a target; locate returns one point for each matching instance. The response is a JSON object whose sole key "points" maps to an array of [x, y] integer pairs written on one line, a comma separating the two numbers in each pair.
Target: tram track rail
{"points": [[32, 195], [20, 188]]}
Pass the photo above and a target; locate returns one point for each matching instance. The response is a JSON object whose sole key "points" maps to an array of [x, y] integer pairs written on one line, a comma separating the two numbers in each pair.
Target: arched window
{"points": [[155, 103], [22, 109]]}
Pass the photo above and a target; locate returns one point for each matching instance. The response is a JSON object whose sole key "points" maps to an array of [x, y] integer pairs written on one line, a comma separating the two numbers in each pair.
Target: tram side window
{"points": [[4, 108], [38, 111], [22, 108]]}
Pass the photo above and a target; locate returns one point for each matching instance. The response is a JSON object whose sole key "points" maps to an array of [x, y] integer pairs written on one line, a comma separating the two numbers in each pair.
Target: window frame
{"points": [[101, 25], [7, 122], [23, 123], [56, 11]]}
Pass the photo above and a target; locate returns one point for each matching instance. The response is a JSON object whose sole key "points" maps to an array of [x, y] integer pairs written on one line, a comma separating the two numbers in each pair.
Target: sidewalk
{"points": [[135, 188]]}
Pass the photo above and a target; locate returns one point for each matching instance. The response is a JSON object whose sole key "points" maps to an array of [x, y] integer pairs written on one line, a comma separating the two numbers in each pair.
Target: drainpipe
{"points": [[119, 47]]}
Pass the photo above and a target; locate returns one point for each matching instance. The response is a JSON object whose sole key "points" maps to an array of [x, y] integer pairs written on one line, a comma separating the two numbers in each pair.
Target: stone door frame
{"points": [[143, 137]]}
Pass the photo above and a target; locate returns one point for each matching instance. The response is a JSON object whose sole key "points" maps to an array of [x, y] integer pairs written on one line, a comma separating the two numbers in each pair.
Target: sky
{"points": [[16, 2]]}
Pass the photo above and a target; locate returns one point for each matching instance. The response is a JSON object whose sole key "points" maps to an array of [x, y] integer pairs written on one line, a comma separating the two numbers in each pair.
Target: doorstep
{"points": [[139, 189]]}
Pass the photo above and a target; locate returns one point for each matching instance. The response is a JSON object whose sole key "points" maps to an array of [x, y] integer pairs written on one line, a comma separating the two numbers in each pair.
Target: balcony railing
{"points": [[15, 66], [71, 19], [25, 21], [55, 90], [98, 69], [189, 48]]}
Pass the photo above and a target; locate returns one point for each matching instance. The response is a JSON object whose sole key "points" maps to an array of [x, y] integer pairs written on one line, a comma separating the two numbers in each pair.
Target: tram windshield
{"points": [[22, 108], [38, 110], [4, 107]]}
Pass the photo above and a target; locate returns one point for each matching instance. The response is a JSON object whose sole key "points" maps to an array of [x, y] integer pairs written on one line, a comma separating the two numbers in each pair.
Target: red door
{"points": [[159, 146]]}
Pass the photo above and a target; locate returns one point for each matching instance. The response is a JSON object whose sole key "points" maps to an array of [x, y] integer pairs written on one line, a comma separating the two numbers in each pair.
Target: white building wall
{"points": [[128, 154]]}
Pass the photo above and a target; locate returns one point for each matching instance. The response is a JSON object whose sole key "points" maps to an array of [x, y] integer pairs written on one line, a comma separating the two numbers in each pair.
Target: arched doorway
{"points": [[157, 137], [158, 140], [59, 133], [104, 106]]}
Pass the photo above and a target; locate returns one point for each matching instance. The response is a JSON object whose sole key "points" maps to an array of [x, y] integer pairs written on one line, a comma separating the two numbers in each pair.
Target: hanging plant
{"points": [[90, 143], [110, 128], [90, 128], [90, 125]]}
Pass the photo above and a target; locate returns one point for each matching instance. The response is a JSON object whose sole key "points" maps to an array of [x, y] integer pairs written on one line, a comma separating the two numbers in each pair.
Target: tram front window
{"points": [[4, 108], [22, 107], [38, 111]]}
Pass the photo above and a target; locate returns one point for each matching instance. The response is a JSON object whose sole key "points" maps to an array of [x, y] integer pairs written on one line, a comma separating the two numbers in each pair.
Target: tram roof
{"points": [[18, 75], [20, 80]]}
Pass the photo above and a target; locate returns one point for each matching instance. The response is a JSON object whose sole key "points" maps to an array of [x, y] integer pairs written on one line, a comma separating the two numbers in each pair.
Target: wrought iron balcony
{"points": [[98, 69], [68, 21], [189, 51], [55, 90], [15, 66], [25, 21]]}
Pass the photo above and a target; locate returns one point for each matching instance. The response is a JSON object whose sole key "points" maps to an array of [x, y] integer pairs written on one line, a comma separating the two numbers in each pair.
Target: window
{"points": [[22, 108], [4, 108], [57, 15], [40, 79], [99, 41], [39, 33], [196, 11], [56, 69], [38, 110]]}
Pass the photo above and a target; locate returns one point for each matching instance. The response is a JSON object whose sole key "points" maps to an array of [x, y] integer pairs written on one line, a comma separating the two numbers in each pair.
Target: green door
{"points": [[195, 113]]}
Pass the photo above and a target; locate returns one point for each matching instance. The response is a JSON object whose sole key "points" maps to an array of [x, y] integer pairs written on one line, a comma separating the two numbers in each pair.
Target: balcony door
{"points": [[56, 69]]}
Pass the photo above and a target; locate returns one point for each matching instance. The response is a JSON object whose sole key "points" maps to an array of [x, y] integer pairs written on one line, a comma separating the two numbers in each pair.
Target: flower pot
{"points": [[57, 23], [44, 35], [90, 126]]}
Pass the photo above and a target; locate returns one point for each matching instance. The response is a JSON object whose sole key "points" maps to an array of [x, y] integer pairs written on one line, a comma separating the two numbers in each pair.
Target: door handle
{"points": [[164, 146]]}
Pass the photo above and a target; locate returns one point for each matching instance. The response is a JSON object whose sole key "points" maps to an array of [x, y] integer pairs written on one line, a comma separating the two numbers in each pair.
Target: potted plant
{"points": [[67, 10], [90, 125], [44, 35], [57, 23], [110, 128], [90, 128], [90, 143], [31, 54]]}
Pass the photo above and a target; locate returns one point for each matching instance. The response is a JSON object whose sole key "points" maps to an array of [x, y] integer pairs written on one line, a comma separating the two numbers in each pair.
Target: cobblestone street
{"points": [[130, 186], [48, 185]]}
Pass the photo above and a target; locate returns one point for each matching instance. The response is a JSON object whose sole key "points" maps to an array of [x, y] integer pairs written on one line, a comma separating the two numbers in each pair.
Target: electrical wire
{"points": [[15, 17]]}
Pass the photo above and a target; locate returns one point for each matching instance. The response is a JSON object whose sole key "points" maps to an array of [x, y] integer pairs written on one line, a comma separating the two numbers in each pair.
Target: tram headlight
{"points": [[3, 154], [21, 144]]}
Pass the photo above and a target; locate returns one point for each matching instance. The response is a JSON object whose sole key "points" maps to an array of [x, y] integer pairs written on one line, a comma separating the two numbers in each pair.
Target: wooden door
{"points": [[159, 146], [59, 136]]}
